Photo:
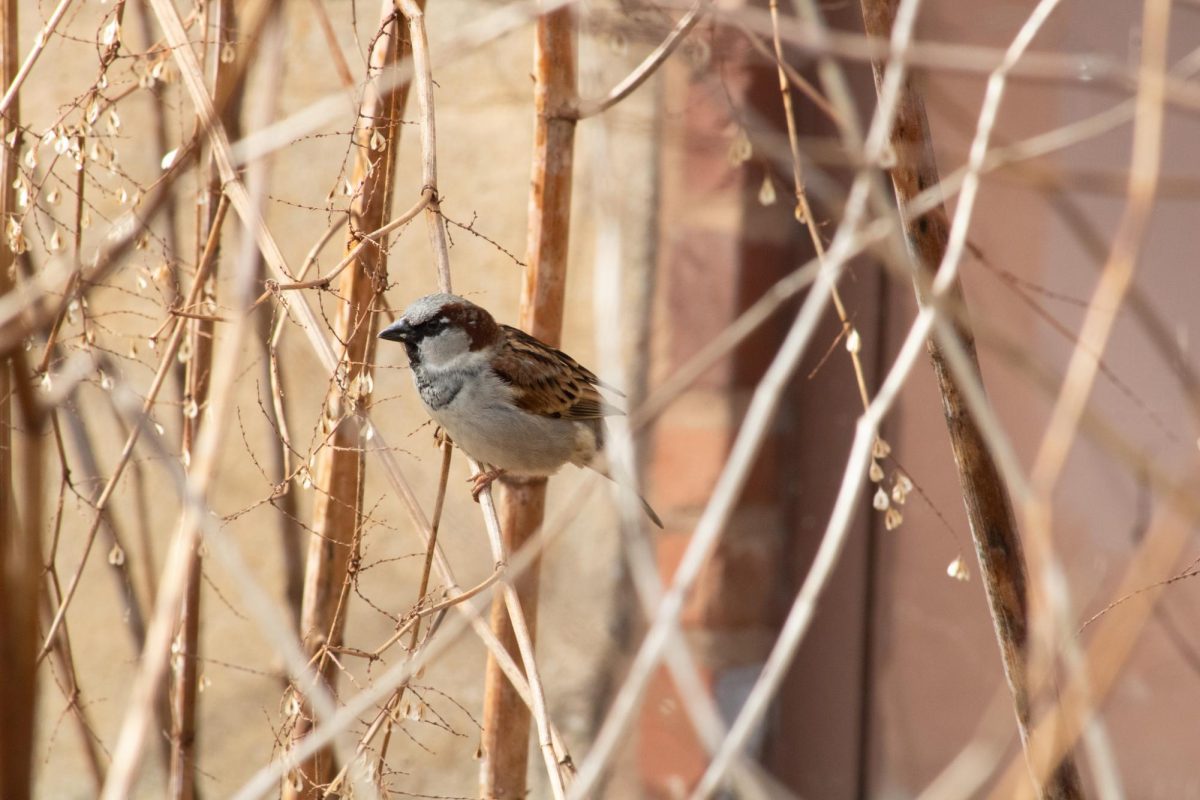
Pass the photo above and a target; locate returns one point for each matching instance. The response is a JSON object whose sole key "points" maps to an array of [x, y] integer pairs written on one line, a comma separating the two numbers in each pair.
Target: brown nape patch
{"points": [[478, 324]]}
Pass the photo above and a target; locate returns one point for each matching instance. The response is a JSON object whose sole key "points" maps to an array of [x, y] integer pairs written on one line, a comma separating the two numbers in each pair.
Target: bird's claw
{"points": [[482, 481]]}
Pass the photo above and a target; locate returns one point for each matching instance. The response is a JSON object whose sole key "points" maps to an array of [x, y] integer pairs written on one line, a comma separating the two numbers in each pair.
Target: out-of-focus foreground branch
{"points": [[340, 463], [989, 508], [220, 19]]}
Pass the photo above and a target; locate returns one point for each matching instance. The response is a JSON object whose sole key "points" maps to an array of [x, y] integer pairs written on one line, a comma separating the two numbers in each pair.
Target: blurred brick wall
{"points": [[900, 669], [721, 248]]}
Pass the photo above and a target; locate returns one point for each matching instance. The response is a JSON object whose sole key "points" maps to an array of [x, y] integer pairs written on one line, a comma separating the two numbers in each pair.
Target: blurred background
{"points": [[897, 690]]}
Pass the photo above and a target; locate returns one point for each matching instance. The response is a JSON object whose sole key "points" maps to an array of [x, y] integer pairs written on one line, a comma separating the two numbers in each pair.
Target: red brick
{"points": [[687, 461], [671, 758], [732, 594]]}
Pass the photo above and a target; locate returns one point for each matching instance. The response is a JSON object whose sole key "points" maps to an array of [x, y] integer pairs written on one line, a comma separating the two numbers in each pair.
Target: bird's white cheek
{"points": [[445, 348]]}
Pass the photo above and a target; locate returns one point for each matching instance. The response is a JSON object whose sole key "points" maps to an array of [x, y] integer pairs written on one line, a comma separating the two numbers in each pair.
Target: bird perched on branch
{"points": [[507, 399]]}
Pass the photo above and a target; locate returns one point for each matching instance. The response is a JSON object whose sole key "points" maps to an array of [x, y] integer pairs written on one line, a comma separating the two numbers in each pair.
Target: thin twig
{"points": [[985, 495], [335, 49], [514, 609], [352, 255], [644, 70], [524, 638], [165, 363], [762, 407], [39, 44], [413, 626], [340, 464], [221, 21], [173, 587], [414, 12]]}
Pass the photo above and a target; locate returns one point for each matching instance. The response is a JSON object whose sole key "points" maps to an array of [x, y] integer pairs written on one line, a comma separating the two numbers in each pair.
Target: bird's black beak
{"points": [[398, 331]]}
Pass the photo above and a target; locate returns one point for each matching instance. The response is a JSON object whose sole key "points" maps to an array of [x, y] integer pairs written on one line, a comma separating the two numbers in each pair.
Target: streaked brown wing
{"points": [[547, 381]]}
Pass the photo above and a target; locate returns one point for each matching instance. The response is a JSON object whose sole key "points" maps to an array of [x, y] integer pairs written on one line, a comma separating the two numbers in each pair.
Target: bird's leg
{"points": [[440, 437], [483, 480]]}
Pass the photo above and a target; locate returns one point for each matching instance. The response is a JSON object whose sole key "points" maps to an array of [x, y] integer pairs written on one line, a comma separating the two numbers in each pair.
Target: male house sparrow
{"points": [[506, 399]]}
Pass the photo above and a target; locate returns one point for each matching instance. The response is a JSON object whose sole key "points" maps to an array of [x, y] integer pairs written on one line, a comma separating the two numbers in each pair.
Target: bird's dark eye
{"points": [[432, 326]]}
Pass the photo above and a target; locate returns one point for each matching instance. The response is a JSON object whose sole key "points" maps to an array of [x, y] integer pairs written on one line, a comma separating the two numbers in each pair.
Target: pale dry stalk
{"points": [[220, 21], [339, 473], [851, 235], [639, 75], [989, 509], [164, 366], [1066, 722], [522, 639], [611, 314], [1109, 650], [172, 588], [14, 79], [553, 753], [414, 12]]}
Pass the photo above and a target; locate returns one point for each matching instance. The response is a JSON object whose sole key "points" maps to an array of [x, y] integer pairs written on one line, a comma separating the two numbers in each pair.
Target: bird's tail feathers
{"points": [[605, 468]]}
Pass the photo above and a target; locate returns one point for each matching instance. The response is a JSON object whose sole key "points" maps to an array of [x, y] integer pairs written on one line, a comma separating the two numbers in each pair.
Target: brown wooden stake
{"points": [[340, 464], [505, 717], [989, 508], [20, 556]]}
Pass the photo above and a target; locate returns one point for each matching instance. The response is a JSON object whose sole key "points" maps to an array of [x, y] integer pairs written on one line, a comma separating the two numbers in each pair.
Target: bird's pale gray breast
{"points": [[439, 393]]}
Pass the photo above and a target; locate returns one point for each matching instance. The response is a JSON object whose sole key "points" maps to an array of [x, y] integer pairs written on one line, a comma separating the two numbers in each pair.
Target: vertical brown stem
{"points": [[8, 161], [989, 508], [505, 717], [52, 595], [340, 463], [20, 575], [162, 146], [290, 541], [20, 568], [220, 23], [414, 641], [74, 695]]}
